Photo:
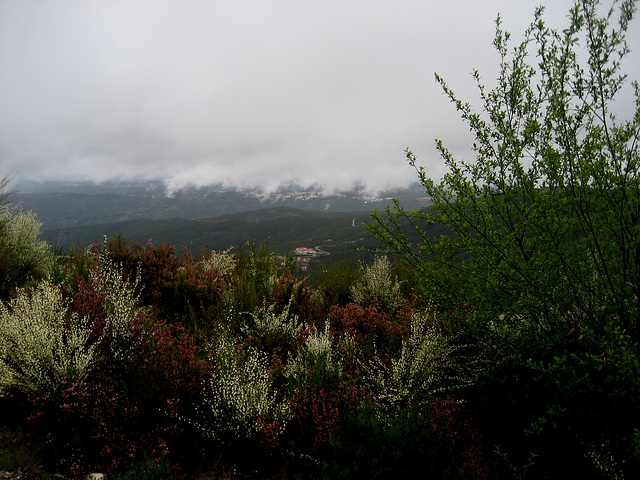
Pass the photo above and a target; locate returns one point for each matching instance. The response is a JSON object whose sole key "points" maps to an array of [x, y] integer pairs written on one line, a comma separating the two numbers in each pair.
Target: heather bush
{"points": [[129, 407], [290, 291], [95, 425], [182, 291], [324, 387], [24, 258], [40, 343], [376, 331], [320, 406]]}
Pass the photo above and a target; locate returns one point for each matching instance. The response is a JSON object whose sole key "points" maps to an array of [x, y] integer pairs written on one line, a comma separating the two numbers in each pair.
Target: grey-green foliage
{"points": [[40, 343], [239, 399], [426, 365], [377, 284], [545, 222], [24, 257]]}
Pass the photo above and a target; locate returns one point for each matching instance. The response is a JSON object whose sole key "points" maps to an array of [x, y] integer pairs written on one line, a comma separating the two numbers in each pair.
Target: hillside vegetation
{"points": [[283, 228]]}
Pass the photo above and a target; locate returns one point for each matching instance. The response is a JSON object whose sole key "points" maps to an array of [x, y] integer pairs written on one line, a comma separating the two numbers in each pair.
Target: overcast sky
{"points": [[243, 92]]}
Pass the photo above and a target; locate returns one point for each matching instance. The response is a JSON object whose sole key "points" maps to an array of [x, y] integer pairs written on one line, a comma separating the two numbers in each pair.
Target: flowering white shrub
{"points": [[121, 299], [320, 350], [240, 398], [426, 365], [40, 344], [221, 262], [377, 283], [269, 324], [25, 257]]}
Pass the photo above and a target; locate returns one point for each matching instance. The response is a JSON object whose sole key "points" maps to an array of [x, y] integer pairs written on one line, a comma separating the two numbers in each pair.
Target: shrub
{"points": [[16, 456], [40, 344], [324, 387], [373, 329], [148, 469], [377, 287], [257, 270], [319, 407], [322, 355], [129, 407], [408, 447], [219, 261], [427, 365], [23, 258], [295, 294], [333, 283], [95, 426], [272, 330], [239, 400], [186, 291]]}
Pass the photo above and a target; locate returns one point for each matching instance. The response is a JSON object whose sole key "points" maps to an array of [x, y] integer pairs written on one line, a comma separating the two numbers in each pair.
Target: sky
{"points": [[244, 93]]}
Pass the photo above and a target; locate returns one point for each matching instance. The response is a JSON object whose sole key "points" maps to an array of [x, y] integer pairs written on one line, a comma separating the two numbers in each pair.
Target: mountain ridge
{"points": [[78, 207]]}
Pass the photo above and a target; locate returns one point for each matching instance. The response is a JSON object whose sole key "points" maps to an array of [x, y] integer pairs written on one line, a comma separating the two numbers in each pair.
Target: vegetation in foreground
{"points": [[509, 349]]}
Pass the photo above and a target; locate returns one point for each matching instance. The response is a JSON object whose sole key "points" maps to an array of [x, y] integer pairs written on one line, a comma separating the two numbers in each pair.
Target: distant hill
{"points": [[78, 214], [64, 204], [283, 228]]}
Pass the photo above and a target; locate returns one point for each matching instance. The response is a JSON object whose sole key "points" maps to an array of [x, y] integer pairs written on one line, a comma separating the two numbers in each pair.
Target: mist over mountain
{"points": [[76, 214], [71, 204]]}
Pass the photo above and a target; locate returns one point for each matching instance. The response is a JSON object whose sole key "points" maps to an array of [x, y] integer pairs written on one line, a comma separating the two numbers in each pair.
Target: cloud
{"points": [[242, 92]]}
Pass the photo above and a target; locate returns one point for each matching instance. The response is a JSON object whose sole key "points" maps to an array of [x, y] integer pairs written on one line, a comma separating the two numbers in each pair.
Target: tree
{"points": [[543, 228]]}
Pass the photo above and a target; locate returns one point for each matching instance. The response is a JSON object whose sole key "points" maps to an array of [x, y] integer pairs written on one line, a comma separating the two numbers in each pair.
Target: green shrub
{"points": [[149, 469], [17, 456], [23, 257], [409, 447], [257, 270], [333, 283]]}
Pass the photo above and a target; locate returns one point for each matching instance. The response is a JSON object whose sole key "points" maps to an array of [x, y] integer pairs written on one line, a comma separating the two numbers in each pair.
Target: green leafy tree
{"points": [[543, 228]]}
